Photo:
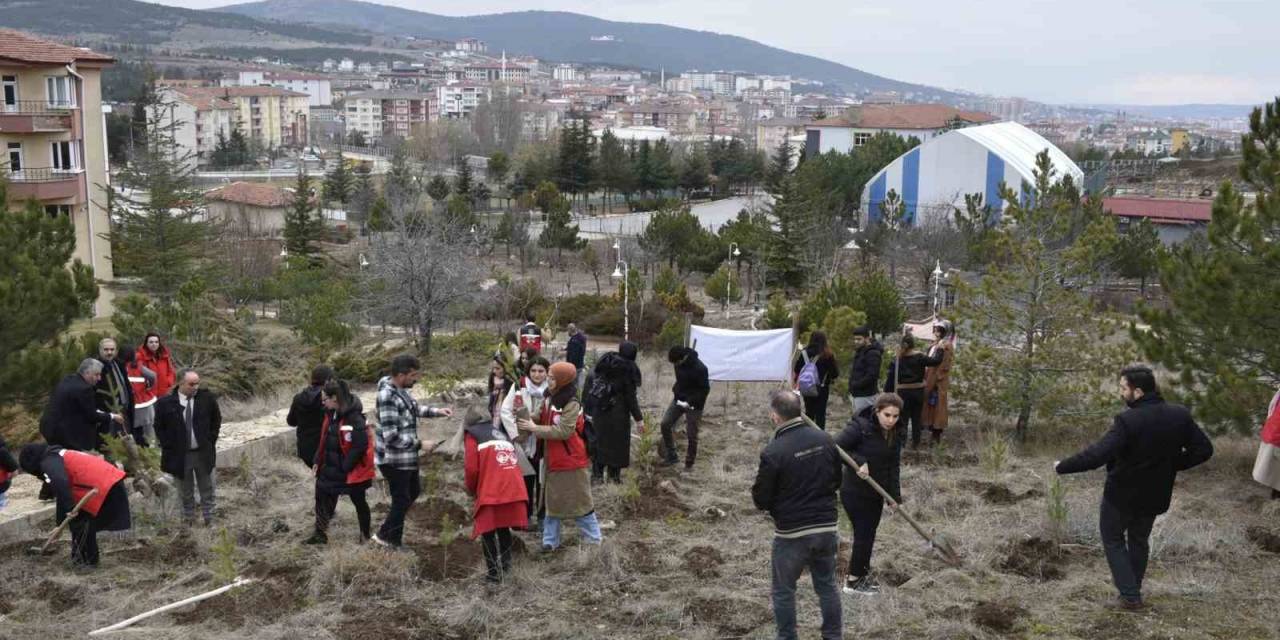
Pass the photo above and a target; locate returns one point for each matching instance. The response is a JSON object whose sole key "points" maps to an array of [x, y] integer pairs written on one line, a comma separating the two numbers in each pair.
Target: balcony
{"points": [[45, 183], [36, 116]]}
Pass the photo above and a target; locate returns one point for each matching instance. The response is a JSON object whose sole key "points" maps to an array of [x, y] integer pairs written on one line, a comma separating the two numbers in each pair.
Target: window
{"points": [[15, 157], [55, 210], [59, 91], [860, 139], [10, 96], [66, 155]]}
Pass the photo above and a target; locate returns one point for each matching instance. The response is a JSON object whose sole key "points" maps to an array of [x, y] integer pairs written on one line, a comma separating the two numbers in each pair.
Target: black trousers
{"points": [[327, 504], [84, 540], [598, 472], [865, 514], [816, 406], [497, 552], [1125, 542], [404, 485], [692, 418], [912, 407]]}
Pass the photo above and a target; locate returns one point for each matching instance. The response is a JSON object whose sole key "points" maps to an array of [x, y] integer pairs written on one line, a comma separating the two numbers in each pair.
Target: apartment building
{"points": [[271, 116], [460, 100], [53, 131], [318, 88], [378, 113], [860, 123], [673, 116], [495, 73], [197, 119]]}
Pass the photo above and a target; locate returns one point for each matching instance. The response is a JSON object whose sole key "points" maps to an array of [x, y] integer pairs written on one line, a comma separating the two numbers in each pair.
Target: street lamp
{"points": [[622, 270], [937, 281], [363, 262], [728, 276]]}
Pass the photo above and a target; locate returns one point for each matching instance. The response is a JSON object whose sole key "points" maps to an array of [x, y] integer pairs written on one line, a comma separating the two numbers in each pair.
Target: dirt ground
{"points": [[688, 559]]}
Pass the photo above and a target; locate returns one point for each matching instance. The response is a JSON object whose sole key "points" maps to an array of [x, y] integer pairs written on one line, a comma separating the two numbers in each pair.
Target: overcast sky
{"points": [[1119, 51]]}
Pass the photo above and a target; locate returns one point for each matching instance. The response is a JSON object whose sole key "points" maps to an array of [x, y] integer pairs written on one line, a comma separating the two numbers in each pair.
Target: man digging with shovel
{"points": [[73, 475]]}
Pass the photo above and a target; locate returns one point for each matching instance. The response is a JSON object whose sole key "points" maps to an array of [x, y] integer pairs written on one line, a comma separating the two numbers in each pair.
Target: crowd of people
{"points": [[550, 431]]}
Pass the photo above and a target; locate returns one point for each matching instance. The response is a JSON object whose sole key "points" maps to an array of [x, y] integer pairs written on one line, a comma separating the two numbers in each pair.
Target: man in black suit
{"points": [[114, 393], [187, 425], [1145, 449], [72, 419]]}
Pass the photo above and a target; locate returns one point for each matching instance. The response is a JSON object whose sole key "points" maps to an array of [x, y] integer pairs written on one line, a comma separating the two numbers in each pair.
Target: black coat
{"points": [[171, 431], [113, 515], [797, 479], [828, 370], [864, 373], [103, 395], [865, 442], [7, 463], [1144, 450], [912, 368], [612, 418], [333, 465], [692, 381], [306, 415], [72, 419], [575, 352]]}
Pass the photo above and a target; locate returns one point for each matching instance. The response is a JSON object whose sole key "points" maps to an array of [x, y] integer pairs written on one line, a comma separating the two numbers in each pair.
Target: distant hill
{"points": [[561, 36], [1180, 111], [132, 22]]}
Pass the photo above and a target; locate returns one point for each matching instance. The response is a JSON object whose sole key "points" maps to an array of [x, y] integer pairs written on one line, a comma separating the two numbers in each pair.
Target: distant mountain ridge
{"points": [[562, 36], [1179, 111]]}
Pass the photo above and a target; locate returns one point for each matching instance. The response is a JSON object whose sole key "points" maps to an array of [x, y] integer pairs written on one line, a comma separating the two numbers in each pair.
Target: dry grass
{"points": [[690, 560]]}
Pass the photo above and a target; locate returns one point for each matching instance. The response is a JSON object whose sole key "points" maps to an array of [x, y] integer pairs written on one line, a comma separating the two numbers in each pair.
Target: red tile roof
{"points": [[254, 194], [903, 116], [1160, 208], [24, 47]]}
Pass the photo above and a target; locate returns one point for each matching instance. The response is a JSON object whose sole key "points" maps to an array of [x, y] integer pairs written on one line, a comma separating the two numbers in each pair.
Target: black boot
{"points": [[318, 537], [935, 436]]}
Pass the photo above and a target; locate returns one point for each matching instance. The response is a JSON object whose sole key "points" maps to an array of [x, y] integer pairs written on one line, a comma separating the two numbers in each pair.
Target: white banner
{"points": [[744, 356]]}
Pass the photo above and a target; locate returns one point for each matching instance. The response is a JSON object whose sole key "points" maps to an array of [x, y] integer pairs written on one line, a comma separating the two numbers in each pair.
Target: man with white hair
{"points": [[72, 419]]}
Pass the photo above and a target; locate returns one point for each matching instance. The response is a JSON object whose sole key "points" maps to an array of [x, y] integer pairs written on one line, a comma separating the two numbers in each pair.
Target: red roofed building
{"points": [[1174, 219], [859, 123], [53, 134], [250, 209]]}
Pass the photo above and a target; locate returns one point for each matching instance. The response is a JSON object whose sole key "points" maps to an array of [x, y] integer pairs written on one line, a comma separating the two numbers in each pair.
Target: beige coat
{"points": [[1267, 468], [938, 378], [566, 494]]}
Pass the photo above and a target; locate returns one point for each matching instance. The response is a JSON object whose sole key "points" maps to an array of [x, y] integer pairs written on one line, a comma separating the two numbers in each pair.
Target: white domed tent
{"points": [[932, 179]]}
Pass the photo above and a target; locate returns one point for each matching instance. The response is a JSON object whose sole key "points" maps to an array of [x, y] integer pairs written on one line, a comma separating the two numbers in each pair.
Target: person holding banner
{"points": [[906, 378], [689, 395], [937, 380], [818, 352]]}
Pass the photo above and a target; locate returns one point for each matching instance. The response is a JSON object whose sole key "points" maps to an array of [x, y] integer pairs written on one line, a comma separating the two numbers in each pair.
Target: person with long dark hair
{"points": [[906, 378], [819, 353], [871, 439], [343, 460], [937, 382]]}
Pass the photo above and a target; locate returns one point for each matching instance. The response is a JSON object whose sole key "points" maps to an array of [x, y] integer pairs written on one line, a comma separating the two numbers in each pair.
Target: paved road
{"points": [[712, 215]]}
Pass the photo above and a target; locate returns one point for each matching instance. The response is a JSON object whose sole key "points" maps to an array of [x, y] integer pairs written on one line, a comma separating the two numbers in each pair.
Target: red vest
{"points": [[493, 472], [1271, 429], [565, 455], [143, 396], [363, 471], [161, 364], [87, 472], [530, 338], [5, 475]]}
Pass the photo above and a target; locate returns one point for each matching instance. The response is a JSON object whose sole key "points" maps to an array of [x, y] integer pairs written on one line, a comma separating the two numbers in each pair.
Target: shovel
{"points": [[937, 542], [57, 532]]}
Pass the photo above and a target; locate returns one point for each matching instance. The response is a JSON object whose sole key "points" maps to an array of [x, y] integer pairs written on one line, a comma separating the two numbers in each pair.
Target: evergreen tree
{"points": [[642, 167], [785, 255], [480, 196], [378, 215], [662, 169], [695, 175], [363, 195], [438, 189], [669, 234], [303, 227], [780, 166], [558, 233], [158, 237], [1215, 329], [613, 167], [574, 168], [339, 182], [498, 168], [463, 183], [1137, 253], [1039, 348], [43, 291]]}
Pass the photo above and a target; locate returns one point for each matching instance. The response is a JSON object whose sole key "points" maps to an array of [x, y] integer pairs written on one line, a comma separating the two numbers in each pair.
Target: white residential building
{"points": [[565, 73], [318, 88], [200, 120], [460, 100]]}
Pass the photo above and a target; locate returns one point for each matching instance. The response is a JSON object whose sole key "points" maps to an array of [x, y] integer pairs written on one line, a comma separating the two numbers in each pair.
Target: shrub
{"points": [[839, 325], [672, 334], [680, 302], [667, 281], [584, 305], [777, 315], [723, 286]]}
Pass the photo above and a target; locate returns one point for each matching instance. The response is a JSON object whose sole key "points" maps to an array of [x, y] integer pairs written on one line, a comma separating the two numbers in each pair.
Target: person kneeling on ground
{"points": [[567, 491], [343, 460], [796, 483], [496, 485], [872, 440], [72, 474]]}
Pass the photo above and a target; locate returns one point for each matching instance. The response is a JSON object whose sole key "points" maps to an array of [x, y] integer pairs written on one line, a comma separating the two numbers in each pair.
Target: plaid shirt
{"points": [[396, 438]]}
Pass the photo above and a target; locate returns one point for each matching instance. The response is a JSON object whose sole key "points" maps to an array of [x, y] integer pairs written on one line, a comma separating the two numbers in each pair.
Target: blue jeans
{"points": [[790, 558], [1125, 543], [588, 525]]}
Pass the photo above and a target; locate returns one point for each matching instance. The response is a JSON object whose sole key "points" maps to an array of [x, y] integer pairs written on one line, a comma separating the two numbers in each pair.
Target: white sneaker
{"points": [[379, 541]]}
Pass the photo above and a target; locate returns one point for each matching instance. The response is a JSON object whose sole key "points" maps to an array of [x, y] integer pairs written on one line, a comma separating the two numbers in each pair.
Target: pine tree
{"points": [[239, 152], [438, 189], [43, 291], [613, 167], [695, 175], [662, 168], [780, 166], [303, 227], [559, 234], [339, 182], [158, 237], [1221, 290], [363, 195], [463, 183], [1137, 253], [785, 254]]}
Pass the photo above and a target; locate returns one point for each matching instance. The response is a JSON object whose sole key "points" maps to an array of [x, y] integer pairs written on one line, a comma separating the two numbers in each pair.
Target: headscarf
{"points": [[565, 376]]}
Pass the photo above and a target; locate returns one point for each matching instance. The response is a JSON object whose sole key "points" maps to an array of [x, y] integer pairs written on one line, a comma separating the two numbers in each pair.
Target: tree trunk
{"points": [[596, 275]]}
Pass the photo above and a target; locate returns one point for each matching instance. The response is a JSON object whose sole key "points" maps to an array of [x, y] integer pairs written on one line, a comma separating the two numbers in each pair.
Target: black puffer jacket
{"points": [[333, 465], [910, 369], [797, 480], [306, 415], [865, 371], [692, 381], [865, 442], [8, 465]]}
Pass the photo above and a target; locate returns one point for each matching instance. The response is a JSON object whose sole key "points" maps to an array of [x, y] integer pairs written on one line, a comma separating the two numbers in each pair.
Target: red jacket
{"points": [[87, 472], [159, 362], [492, 472], [143, 396], [363, 471], [530, 337], [1271, 430], [568, 454]]}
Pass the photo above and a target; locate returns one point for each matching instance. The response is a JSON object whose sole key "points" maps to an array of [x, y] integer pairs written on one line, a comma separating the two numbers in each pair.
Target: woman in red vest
{"points": [[71, 474], [567, 491], [496, 484], [1266, 469], [343, 462]]}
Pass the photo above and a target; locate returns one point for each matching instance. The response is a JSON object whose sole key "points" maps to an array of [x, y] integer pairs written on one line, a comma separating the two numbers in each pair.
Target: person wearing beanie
{"points": [[496, 485], [864, 373], [611, 405], [71, 474], [689, 395], [567, 490]]}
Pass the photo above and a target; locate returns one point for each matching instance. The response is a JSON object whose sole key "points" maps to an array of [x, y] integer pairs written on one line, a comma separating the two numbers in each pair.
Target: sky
{"points": [[1057, 51]]}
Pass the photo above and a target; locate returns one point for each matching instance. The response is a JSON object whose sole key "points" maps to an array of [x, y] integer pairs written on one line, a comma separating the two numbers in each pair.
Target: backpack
{"points": [[809, 379], [600, 393]]}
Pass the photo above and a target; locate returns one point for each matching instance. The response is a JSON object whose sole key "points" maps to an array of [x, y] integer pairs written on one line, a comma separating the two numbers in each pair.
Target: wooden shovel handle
{"points": [[67, 520]]}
